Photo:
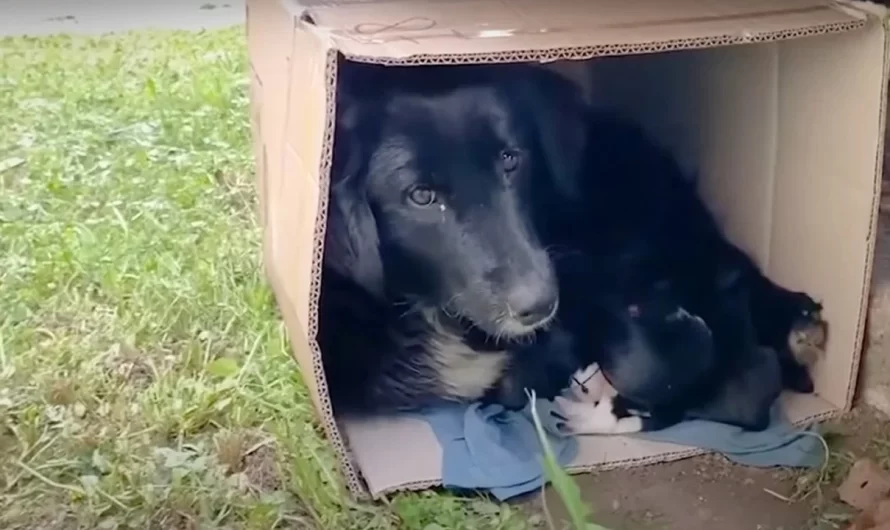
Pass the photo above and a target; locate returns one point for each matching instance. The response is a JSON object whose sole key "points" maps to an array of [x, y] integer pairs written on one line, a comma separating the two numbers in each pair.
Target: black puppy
{"points": [[630, 189], [726, 377], [667, 352], [433, 264], [635, 192], [619, 312], [656, 363]]}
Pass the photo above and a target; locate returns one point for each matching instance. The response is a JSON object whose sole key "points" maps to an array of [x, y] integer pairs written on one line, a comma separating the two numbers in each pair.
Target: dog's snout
{"points": [[532, 304]]}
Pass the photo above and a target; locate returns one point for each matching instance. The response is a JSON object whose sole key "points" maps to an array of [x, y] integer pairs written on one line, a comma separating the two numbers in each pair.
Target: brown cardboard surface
{"points": [[290, 176], [387, 466], [414, 32], [784, 134]]}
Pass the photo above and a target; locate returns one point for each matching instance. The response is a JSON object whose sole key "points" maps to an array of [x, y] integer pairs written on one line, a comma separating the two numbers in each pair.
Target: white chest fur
{"points": [[465, 372]]}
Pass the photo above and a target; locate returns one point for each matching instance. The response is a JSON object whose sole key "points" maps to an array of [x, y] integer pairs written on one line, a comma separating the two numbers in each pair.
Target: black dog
{"points": [[433, 264]]}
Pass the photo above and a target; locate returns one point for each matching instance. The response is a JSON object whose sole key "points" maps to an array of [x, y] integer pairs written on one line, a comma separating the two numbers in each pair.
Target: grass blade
{"points": [[565, 487]]}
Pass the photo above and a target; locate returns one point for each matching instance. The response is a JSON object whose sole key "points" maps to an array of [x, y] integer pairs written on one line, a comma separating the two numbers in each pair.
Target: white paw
{"points": [[584, 417], [629, 425], [590, 385]]}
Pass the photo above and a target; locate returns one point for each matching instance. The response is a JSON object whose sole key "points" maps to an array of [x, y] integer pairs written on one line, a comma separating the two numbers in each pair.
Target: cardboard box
{"points": [[778, 105]]}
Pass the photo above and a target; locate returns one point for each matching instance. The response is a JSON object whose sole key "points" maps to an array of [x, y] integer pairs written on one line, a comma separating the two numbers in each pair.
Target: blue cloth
{"points": [[782, 444], [487, 447]]}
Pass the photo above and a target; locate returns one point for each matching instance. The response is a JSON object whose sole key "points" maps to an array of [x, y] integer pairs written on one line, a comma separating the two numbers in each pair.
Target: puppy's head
{"points": [[669, 326], [444, 173]]}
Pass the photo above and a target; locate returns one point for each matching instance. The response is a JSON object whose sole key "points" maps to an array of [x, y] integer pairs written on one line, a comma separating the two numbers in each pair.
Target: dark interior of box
{"points": [[739, 122], [668, 94], [661, 92]]}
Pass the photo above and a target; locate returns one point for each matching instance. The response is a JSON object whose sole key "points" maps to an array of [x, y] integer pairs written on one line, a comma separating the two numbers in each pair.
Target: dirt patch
{"points": [[130, 366], [261, 469], [173, 520], [702, 492], [240, 196], [251, 457], [712, 492], [39, 518], [62, 392]]}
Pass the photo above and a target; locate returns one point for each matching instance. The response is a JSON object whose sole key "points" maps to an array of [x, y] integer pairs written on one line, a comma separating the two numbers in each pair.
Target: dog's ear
{"points": [[559, 111], [352, 244]]}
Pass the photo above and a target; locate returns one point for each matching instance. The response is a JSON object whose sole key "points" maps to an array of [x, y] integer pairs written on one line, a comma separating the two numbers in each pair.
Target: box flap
{"points": [[437, 31]]}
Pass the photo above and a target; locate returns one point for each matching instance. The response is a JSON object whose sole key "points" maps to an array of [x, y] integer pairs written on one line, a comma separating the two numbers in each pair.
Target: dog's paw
{"points": [[508, 393], [809, 332], [590, 385]]}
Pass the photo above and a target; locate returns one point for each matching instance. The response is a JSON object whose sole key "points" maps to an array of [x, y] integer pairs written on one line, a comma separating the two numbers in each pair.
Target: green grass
{"points": [[145, 376], [566, 488]]}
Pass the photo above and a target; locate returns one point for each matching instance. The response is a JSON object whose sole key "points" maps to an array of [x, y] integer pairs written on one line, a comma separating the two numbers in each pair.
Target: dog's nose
{"points": [[531, 307]]}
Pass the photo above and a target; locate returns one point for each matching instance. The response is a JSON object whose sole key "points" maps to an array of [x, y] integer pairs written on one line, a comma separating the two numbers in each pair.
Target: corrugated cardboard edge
{"points": [[880, 13], [353, 480], [332, 431], [589, 52]]}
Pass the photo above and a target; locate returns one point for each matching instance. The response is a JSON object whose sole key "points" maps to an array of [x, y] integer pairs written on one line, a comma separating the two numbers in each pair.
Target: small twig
{"points": [[823, 471], [49, 465], [113, 500], [48, 481], [46, 333], [73, 489], [546, 509], [139, 432], [41, 448], [302, 521], [259, 445], [778, 495], [253, 349], [885, 443], [800, 496]]}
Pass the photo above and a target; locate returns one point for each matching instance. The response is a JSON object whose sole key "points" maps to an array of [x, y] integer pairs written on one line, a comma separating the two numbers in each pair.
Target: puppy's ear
{"points": [[559, 111], [352, 244]]}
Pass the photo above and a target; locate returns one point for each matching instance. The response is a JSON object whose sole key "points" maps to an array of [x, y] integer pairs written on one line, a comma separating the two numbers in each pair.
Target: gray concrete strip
{"points": [[95, 17]]}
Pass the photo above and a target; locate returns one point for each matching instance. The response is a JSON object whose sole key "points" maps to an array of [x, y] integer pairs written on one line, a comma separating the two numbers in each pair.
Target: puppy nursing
{"points": [[490, 233]]}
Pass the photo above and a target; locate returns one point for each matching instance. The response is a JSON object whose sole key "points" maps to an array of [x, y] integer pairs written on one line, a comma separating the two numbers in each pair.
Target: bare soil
{"points": [[712, 492]]}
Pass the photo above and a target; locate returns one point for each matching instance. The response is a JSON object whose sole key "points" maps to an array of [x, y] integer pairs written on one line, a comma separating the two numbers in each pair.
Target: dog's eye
{"points": [[422, 196], [510, 160]]}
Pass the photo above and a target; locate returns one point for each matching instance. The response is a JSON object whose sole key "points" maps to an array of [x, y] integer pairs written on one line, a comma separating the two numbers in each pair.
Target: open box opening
{"points": [[777, 106]]}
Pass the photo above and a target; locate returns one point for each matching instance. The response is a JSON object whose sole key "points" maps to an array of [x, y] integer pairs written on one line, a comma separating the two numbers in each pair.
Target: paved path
{"points": [[43, 17]]}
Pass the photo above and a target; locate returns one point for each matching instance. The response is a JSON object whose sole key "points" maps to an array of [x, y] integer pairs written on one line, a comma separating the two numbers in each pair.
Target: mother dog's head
{"points": [[435, 185]]}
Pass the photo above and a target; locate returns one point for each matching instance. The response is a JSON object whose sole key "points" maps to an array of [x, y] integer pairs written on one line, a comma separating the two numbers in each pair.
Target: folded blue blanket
{"points": [[782, 444], [489, 448]]}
